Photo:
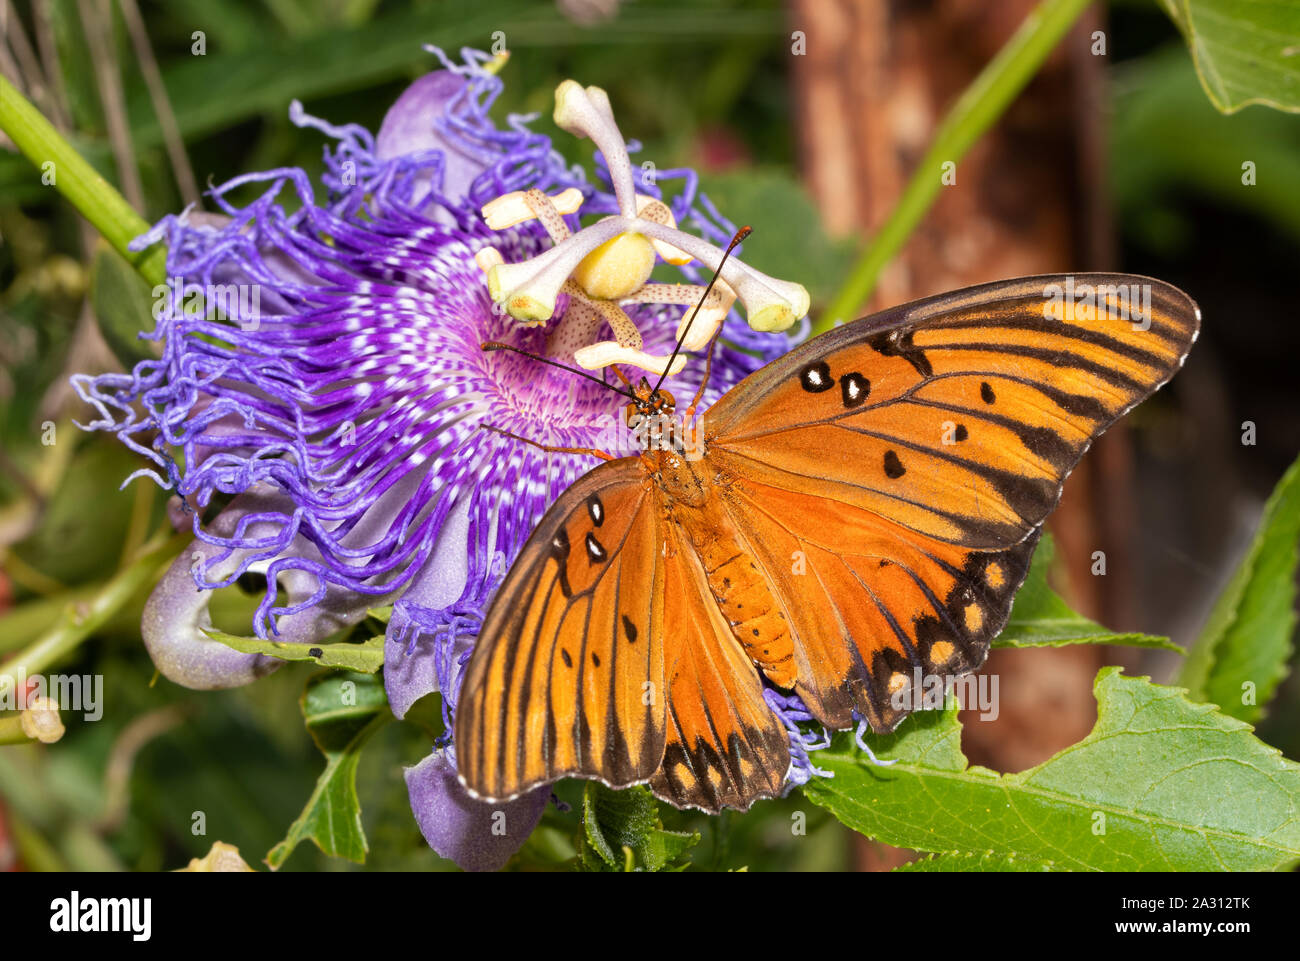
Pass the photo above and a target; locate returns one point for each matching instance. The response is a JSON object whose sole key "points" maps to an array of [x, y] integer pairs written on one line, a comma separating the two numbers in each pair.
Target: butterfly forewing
{"points": [[890, 477], [570, 655], [957, 416]]}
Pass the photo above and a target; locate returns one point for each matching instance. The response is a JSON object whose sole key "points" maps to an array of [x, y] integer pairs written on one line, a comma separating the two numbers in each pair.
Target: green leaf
{"points": [[972, 862], [1168, 142], [122, 302], [1161, 784], [342, 711], [1040, 618], [1245, 646], [366, 657], [623, 831], [1244, 52]]}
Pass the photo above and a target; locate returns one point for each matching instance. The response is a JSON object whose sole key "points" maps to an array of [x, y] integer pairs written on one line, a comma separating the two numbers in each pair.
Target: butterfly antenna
{"points": [[741, 234], [497, 345]]}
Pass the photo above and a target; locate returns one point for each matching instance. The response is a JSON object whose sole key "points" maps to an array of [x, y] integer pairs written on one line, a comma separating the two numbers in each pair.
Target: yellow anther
{"points": [[487, 258], [772, 317], [596, 356], [513, 208]]}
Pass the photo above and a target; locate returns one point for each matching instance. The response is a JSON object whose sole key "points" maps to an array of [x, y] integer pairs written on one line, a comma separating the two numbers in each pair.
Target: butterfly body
{"points": [[857, 516], [698, 499]]}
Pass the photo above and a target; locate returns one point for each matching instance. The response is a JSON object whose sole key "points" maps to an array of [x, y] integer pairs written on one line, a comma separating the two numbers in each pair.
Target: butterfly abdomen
{"points": [[742, 592]]}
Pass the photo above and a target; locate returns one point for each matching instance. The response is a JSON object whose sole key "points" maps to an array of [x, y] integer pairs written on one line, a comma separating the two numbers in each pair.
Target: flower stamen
{"points": [[519, 206]]}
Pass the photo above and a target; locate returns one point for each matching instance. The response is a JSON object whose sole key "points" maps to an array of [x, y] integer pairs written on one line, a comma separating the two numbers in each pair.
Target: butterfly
{"points": [[863, 508]]}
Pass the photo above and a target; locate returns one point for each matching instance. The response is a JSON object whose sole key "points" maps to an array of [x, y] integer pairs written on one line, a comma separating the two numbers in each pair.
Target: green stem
{"points": [[978, 108], [106, 209], [37, 853], [11, 730], [80, 621]]}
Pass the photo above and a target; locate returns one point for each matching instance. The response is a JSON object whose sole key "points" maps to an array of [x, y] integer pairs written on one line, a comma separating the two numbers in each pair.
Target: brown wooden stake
{"points": [[875, 79]]}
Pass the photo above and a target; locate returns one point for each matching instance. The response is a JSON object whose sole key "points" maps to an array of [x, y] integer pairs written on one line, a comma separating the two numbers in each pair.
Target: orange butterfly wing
{"points": [[603, 655], [725, 747], [868, 602], [572, 644], [890, 477], [957, 416]]}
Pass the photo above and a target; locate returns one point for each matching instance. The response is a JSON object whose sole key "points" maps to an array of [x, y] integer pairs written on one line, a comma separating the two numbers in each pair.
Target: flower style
{"points": [[326, 416]]}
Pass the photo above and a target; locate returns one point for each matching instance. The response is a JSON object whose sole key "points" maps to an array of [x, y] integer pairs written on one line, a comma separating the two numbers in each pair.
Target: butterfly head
{"points": [[650, 401]]}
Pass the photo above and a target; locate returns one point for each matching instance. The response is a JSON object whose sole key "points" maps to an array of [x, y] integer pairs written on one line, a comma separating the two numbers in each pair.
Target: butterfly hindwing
{"points": [[724, 746], [610, 660], [873, 606], [957, 416], [571, 644]]}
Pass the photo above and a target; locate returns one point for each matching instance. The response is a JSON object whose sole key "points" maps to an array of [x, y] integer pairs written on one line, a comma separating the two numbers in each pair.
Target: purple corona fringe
{"points": [[791, 710], [863, 726]]}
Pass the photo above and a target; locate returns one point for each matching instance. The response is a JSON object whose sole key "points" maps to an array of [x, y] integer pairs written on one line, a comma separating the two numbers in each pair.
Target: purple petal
{"points": [[411, 669], [176, 614], [477, 835], [410, 127], [408, 674], [172, 626]]}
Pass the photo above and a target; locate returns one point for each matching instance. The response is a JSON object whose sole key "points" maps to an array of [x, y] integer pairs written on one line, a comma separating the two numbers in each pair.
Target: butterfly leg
{"points": [[590, 451]]}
